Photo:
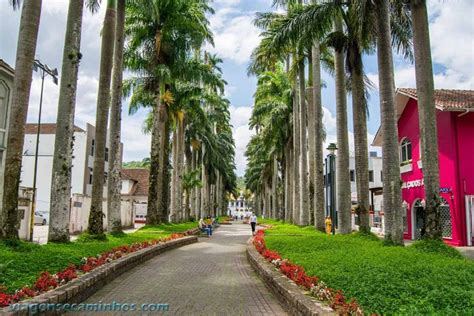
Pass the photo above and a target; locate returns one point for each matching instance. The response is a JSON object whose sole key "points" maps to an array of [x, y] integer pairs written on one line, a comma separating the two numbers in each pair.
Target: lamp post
{"points": [[331, 185], [44, 71]]}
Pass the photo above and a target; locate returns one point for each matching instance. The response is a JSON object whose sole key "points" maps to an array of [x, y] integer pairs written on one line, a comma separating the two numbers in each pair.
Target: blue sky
{"points": [[452, 44]]}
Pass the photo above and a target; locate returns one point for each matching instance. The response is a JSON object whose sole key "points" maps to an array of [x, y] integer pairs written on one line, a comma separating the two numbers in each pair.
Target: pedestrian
{"points": [[205, 228], [253, 223]]}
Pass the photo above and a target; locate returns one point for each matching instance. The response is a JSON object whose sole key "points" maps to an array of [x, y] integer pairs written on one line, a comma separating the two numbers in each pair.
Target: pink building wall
{"points": [[456, 155]]}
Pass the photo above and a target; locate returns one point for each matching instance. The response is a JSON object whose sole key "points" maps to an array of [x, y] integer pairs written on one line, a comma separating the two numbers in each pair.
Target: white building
{"points": [[83, 161], [6, 85], [239, 206], [375, 187]]}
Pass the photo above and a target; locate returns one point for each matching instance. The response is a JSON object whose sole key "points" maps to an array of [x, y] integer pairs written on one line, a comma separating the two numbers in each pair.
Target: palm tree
{"points": [[190, 181], [427, 118], [25, 54], [391, 160], [342, 162], [63, 146], [162, 34], [316, 139], [96, 215], [114, 184]]}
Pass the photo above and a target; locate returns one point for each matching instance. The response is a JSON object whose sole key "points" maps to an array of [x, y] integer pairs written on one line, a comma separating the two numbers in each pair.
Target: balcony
{"points": [[406, 167]]}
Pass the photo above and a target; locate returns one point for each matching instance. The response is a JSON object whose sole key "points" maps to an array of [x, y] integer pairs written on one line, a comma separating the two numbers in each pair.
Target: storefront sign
{"points": [[444, 190], [412, 184]]}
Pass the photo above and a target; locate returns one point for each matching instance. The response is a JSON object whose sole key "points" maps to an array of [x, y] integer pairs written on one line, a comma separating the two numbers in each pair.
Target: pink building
{"points": [[455, 121]]}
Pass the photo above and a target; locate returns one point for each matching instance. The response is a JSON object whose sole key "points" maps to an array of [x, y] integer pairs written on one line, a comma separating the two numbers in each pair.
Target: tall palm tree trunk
{"points": [[181, 165], [96, 214], [311, 148], [390, 160], [319, 203], [304, 195], [359, 114], [296, 155], [152, 206], [25, 54], [164, 174], [427, 118], [115, 161], [63, 144], [275, 204], [199, 189], [204, 191], [174, 178], [288, 182], [342, 161], [194, 190]]}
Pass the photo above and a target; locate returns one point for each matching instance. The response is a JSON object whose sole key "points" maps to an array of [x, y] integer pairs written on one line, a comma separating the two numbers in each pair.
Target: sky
{"points": [[235, 36]]}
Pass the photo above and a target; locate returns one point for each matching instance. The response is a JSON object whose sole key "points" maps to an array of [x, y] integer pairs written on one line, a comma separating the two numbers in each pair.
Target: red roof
{"points": [[46, 128], [446, 100], [140, 176]]}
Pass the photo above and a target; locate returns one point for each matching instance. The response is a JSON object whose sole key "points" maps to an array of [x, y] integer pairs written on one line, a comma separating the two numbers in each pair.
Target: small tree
{"points": [[190, 181]]}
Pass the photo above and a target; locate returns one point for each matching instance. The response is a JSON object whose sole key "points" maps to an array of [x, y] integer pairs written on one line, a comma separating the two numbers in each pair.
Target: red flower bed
{"points": [[47, 281], [296, 273]]}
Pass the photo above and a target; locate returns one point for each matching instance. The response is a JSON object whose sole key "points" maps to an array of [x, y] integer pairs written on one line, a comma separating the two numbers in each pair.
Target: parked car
{"points": [[40, 219]]}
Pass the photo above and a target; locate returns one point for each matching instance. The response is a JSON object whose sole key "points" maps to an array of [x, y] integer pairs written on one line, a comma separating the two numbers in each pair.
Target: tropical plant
{"points": [[25, 54], [114, 181], [427, 118], [96, 215], [64, 140]]}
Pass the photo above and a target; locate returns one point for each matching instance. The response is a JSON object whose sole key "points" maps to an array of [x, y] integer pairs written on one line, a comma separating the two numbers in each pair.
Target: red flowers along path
{"points": [[317, 288], [48, 281]]}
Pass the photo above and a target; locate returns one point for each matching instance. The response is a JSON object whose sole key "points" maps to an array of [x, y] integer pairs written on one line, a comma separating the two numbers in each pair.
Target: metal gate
{"points": [[470, 219]]}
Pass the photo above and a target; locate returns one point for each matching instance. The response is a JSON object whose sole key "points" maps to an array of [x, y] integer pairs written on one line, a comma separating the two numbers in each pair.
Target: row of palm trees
{"points": [[159, 42], [285, 157]]}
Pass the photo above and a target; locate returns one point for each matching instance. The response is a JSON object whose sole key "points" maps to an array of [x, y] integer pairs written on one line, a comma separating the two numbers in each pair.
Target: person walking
{"points": [[253, 223]]}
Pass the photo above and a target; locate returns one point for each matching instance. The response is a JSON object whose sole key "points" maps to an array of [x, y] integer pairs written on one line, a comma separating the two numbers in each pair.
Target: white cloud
{"points": [[452, 46], [242, 134], [235, 36]]}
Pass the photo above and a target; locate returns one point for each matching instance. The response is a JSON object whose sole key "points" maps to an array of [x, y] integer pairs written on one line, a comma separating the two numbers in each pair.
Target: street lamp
{"points": [[44, 71], [331, 185]]}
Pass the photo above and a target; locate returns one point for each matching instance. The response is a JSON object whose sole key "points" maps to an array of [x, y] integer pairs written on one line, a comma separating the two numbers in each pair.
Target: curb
{"points": [[84, 286], [286, 291]]}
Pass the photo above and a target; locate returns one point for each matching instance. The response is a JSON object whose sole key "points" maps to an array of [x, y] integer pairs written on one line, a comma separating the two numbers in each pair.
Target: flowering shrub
{"points": [[67, 274], [296, 273], [47, 281]]}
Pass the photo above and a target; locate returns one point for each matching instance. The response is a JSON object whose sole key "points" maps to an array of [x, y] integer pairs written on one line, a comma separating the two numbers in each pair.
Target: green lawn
{"points": [[384, 280], [22, 265]]}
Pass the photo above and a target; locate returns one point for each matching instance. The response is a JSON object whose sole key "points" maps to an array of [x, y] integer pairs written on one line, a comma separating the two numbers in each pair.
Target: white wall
{"points": [[45, 166], [80, 209], [78, 163]]}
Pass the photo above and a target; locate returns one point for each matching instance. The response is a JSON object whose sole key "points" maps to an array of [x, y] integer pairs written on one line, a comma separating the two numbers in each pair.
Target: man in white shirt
{"points": [[253, 222]]}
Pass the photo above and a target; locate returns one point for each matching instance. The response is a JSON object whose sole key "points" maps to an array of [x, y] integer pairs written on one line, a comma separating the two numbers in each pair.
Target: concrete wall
{"points": [[80, 209], [45, 166]]}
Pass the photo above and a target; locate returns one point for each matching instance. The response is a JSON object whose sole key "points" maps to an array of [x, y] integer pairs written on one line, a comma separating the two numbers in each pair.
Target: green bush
{"points": [[384, 280], [436, 246]]}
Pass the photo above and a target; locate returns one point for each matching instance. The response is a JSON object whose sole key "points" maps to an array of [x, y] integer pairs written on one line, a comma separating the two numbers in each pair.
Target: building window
{"points": [[90, 175], [4, 92], [106, 154], [352, 176], [445, 216], [371, 176], [92, 147], [381, 176], [404, 217], [405, 151]]}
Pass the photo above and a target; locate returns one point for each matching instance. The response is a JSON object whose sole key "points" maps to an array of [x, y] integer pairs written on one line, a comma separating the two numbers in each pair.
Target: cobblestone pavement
{"points": [[211, 277]]}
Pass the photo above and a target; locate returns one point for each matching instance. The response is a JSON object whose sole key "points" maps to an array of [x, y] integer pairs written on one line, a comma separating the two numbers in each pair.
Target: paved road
{"points": [[211, 277]]}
